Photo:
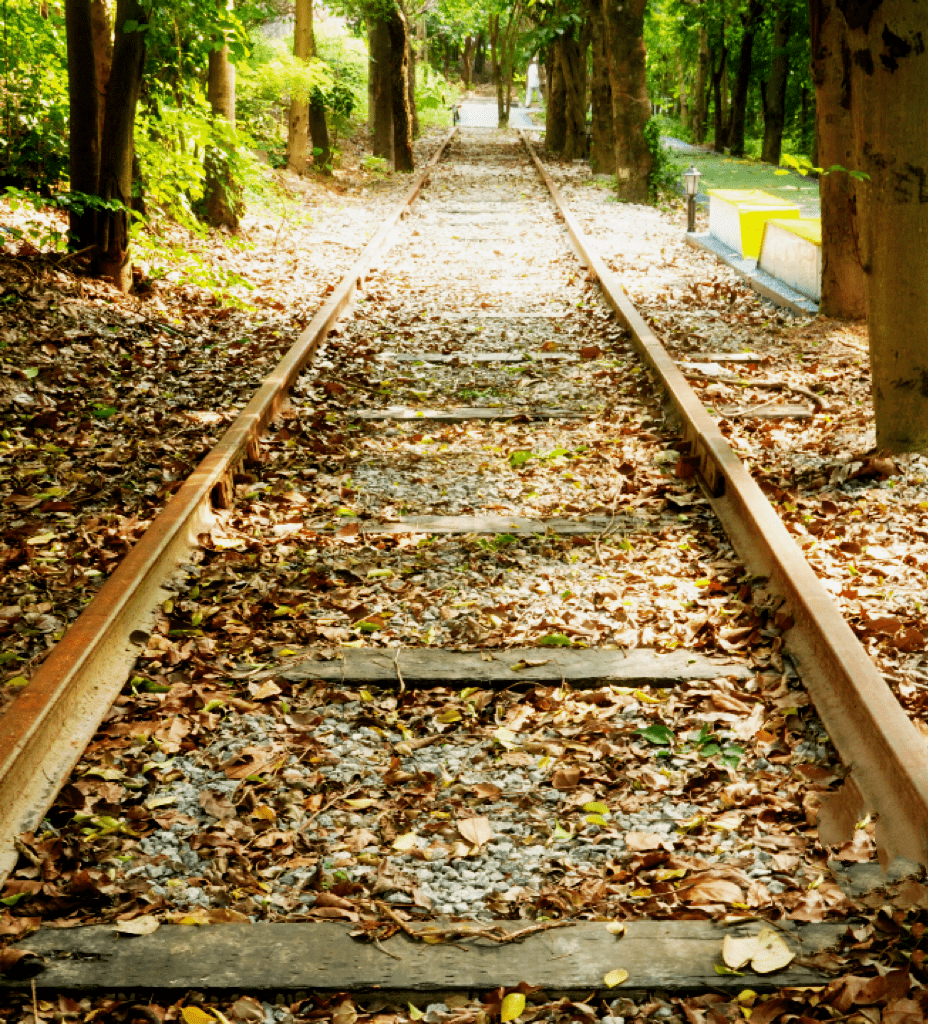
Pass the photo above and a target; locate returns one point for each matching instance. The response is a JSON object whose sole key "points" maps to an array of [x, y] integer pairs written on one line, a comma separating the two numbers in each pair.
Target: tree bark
{"points": [[889, 83], [843, 283], [775, 93], [319, 133], [304, 48], [555, 112], [467, 61], [411, 87], [382, 105], [718, 74], [602, 141], [85, 110], [739, 96], [700, 89], [573, 67], [630, 105], [221, 202], [399, 90], [112, 253]]}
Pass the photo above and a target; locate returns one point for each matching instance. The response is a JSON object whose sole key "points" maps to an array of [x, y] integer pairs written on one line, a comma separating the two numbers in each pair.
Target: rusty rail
{"points": [[44, 732], [887, 757]]}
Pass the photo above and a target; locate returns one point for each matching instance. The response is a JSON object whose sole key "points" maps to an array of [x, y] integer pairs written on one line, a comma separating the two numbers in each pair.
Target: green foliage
{"points": [[663, 177], [42, 234], [33, 97]]}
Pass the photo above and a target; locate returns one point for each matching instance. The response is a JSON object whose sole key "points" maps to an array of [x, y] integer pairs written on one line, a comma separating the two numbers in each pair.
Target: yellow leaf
{"points": [[616, 928], [645, 698], [196, 1015], [596, 807], [616, 977], [406, 842], [449, 716], [415, 1013], [265, 813], [513, 1005], [362, 803]]}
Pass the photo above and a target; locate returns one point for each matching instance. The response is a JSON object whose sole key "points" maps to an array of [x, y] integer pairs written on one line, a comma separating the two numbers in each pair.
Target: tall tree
{"points": [[631, 107], [573, 56], [843, 283], [889, 81], [222, 205], [750, 20], [381, 100], [775, 89], [555, 101], [86, 93], [111, 258], [399, 89], [700, 105], [602, 140], [304, 48]]}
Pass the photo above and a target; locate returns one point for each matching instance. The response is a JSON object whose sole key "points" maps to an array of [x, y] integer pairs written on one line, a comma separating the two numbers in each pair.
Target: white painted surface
{"points": [[725, 222], [792, 259]]}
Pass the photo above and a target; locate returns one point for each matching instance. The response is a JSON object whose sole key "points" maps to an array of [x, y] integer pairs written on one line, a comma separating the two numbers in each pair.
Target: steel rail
{"points": [[886, 755], [44, 732]]}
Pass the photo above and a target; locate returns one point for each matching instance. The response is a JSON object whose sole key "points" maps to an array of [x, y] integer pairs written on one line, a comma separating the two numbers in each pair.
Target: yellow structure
{"points": [[737, 216]]}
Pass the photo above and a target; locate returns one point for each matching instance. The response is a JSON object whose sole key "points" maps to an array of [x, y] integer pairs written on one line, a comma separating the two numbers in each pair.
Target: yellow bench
{"points": [[791, 251], [737, 217]]}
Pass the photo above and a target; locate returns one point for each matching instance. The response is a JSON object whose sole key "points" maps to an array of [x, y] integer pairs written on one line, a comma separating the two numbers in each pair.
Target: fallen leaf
{"points": [[145, 924], [615, 977], [476, 831], [772, 953], [512, 1007]]}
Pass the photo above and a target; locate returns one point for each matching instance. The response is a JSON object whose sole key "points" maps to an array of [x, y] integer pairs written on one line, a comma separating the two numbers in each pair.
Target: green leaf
{"points": [[657, 734], [725, 969], [517, 459], [103, 412], [596, 807], [31, 372], [554, 640]]}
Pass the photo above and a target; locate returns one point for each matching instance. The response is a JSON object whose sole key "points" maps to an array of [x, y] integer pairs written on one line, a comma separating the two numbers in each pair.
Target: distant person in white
{"points": [[532, 84]]}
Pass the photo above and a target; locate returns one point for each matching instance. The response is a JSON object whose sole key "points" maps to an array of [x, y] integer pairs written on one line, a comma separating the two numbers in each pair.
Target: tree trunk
{"points": [[221, 202], [304, 48], [683, 107], [382, 105], [602, 142], [319, 133], [555, 112], [717, 76], [775, 93], [411, 87], [630, 105], [573, 68], [85, 106], [739, 96], [480, 54], [112, 253], [889, 83], [467, 61], [700, 93], [843, 283], [399, 90]]}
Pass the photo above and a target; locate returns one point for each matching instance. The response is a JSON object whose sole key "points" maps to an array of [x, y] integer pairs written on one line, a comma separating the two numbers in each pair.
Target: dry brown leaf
{"points": [[476, 831]]}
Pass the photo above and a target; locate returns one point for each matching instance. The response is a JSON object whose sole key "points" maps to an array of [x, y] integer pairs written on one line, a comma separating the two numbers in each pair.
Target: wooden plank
{"points": [[478, 357], [580, 667], [519, 526], [765, 412], [675, 956], [462, 414]]}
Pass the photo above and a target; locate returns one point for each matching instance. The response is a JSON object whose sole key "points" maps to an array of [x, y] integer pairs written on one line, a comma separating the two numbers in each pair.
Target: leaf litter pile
{"points": [[108, 402], [225, 785]]}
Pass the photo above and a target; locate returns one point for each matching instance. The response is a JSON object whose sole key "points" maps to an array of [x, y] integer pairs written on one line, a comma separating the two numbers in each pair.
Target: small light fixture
{"points": [[691, 177], [691, 181]]}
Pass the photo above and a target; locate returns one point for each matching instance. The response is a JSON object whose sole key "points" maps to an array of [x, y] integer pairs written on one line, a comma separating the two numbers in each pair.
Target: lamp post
{"points": [[691, 180]]}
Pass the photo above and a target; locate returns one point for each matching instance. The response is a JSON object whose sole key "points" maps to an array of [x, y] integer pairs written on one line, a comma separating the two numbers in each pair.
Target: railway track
{"points": [[471, 617]]}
